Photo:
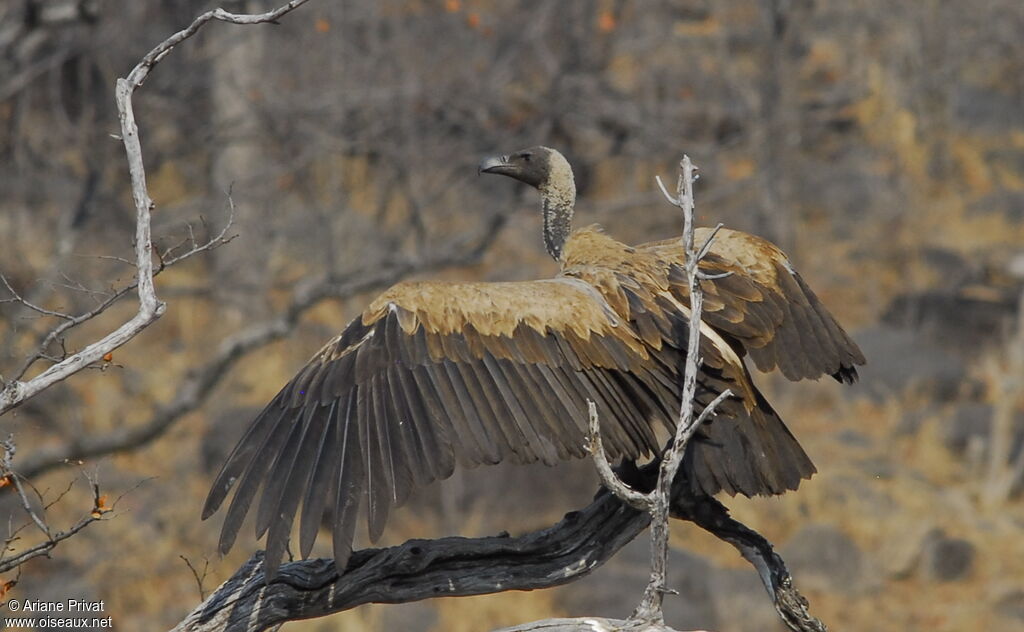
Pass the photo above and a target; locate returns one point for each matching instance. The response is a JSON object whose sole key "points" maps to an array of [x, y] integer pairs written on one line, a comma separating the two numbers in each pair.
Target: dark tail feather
{"points": [[753, 455]]}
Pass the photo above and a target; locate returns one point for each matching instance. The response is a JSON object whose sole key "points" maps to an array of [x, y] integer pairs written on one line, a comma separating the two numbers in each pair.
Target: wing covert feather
{"points": [[431, 374], [765, 306]]}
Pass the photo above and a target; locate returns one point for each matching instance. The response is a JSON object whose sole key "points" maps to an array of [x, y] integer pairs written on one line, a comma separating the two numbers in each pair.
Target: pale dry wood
{"points": [[200, 382], [611, 482], [650, 609], [589, 624], [151, 307], [649, 614]]}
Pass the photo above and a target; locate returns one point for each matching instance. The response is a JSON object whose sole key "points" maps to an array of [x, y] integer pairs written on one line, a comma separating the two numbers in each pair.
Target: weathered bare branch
{"points": [[199, 383], [713, 517], [151, 308], [650, 610], [648, 614], [423, 569], [111, 298], [11, 559], [587, 624], [635, 499]]}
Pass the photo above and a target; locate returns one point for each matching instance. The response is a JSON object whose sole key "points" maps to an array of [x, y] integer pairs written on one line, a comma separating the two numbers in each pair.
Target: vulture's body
{"points": [[436, 374]]}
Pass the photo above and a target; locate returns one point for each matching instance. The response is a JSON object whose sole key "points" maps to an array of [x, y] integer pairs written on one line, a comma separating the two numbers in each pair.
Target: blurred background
{"points": [[881, 144]]}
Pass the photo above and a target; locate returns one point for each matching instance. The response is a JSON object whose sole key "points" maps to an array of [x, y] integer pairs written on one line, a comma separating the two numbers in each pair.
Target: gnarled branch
{"points": [[421, 569], [453, 566]]}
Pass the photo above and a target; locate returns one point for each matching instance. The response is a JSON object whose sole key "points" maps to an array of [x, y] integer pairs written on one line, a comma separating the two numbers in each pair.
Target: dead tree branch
{"points": [[649, 615], [713, 517], [611, 482], [421, 569], [16, 391], [581, 624], [200, 382], [166, 259], [447, 567], [649, 610], [10, 557]]}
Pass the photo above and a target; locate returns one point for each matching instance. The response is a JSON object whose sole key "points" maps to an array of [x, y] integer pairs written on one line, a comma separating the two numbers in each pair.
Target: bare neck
{"points": [[558, 197]]}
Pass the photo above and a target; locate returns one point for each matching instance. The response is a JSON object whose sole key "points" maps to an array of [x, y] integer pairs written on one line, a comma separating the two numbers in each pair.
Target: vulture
{"points": [[435, 374]]}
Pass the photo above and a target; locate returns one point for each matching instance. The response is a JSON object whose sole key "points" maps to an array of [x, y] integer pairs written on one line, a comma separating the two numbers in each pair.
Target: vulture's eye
{"points": [[526, 157]]}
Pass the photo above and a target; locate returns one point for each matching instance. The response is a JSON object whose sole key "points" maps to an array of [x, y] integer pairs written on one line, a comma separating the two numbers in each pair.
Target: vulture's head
{"points": [[549, 172], [540, 167]]}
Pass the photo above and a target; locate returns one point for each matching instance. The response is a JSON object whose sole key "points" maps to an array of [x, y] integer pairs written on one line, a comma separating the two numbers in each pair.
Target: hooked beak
{"points": [[495, 164]]}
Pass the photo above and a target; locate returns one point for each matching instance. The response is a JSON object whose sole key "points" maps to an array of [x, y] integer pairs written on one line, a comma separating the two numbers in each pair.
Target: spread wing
{"points": [[435, 374], [431, 375], [765, 306]]}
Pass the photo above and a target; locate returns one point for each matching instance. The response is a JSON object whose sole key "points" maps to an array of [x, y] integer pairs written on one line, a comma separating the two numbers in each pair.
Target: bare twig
{"points": [[200, 578], [674, 201], [8, 476], [114, 296], [706, 247], [44, 548], [51, 538], [635, 499], [200, 382], [17, 298], [151, 308], [656, 502]]}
